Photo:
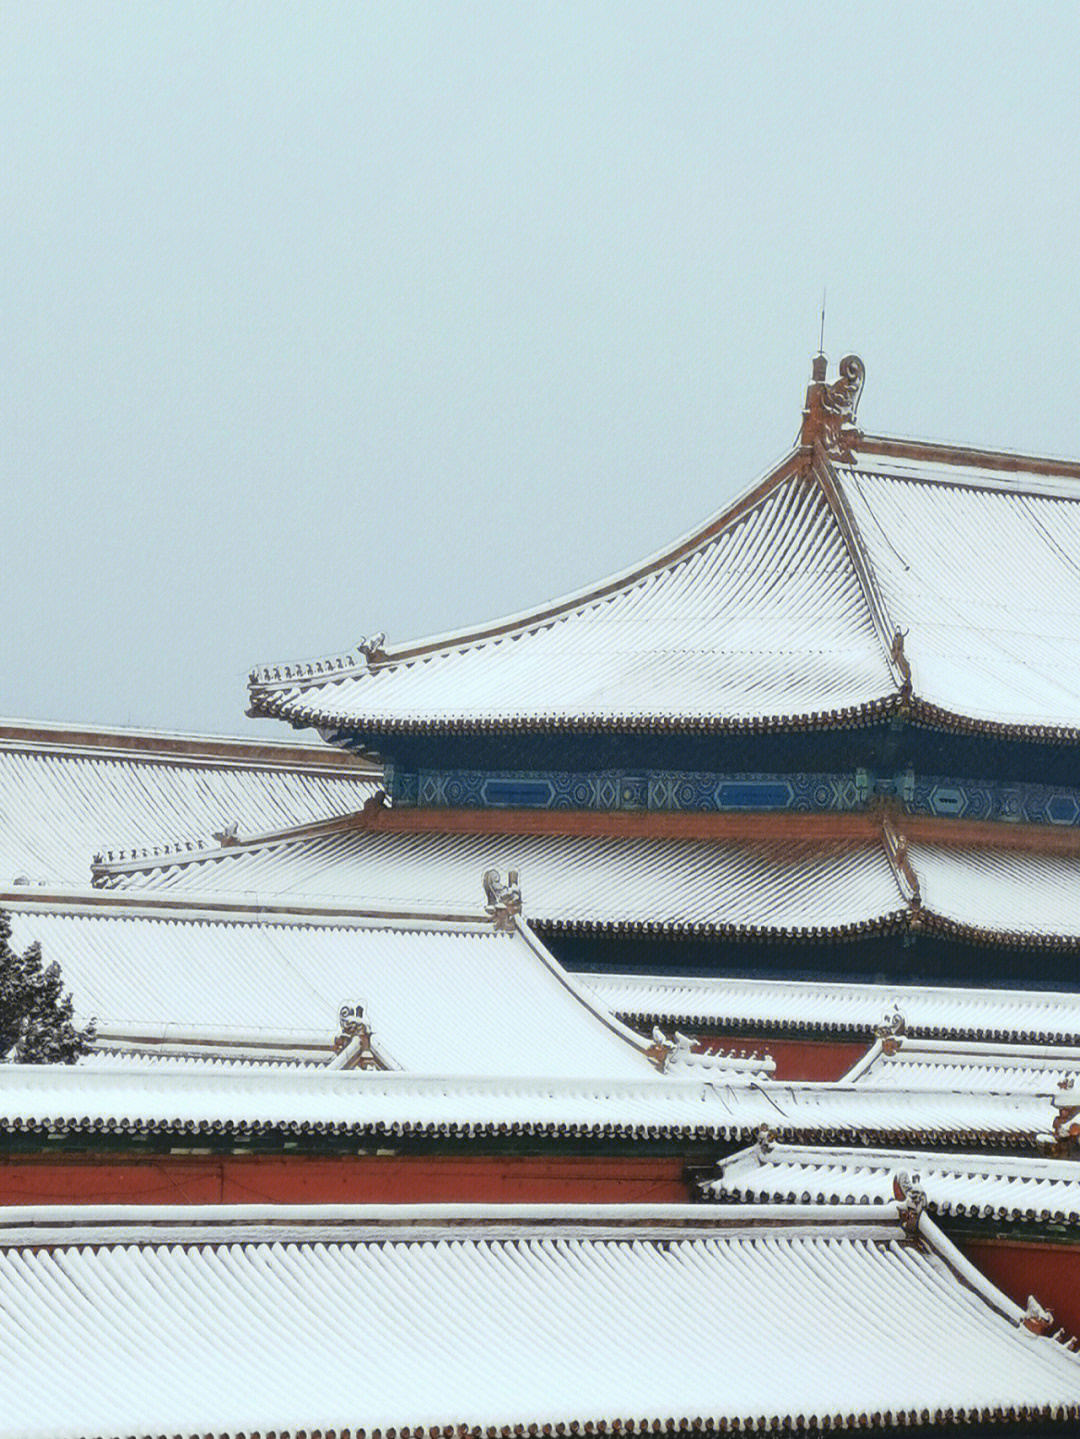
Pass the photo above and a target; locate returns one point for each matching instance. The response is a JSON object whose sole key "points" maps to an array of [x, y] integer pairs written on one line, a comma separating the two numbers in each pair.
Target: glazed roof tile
{"points": [[239, 1101], [781, 611], [458, 1319], [835, 1007], [568, 880], [980, 570], [975, 1186], [1000, 890], [760, 612], [900, 1062], [67, 792], [449, 994], [784, 888]]}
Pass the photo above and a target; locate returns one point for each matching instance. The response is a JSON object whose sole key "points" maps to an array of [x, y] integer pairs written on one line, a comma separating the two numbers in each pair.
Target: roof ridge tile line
{"points": [[786, 468], [149, 851], [117, 861], [884, 627], [898, 854], [206, 908], [964, 1270], [864, 1063], [968, 456], [164, 746], [580, 992]]}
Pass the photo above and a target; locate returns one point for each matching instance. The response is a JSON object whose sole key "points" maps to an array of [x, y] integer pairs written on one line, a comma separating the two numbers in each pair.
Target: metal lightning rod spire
{"points": [[821, 340]]}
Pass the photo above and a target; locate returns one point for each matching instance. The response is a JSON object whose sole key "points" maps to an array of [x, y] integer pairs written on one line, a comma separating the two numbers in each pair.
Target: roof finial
{"points": [[829, 415]]}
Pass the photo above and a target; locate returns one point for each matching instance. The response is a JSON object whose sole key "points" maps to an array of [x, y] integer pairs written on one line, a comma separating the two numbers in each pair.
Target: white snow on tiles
{"points": [[760, 614], [236, 1099], [983, 575], [967, 1185], [827, 1006], [463, 1323], [786, 886], [61, 801], [911, 1064], [456, 998], [760, 617], [1013, 891]]}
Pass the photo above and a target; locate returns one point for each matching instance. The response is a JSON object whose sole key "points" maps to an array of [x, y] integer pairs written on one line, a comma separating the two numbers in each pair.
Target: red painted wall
{"points": [[795, 1058], [360, 1179], [1049, 1271]]}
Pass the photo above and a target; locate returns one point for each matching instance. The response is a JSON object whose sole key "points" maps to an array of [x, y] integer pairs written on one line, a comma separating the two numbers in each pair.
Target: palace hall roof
{"points": [[451, 1320], [976, 1186], [903, 1062], [784, 888], [440, 993], [67, 790], [862, 576], [242, 1102], [833, 1007]]}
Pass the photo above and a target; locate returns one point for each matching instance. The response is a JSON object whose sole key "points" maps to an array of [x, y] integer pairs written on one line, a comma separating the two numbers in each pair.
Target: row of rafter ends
{"points": [[916, 711], [902, 921], [699, 1424], [808, 1194], [405, 1129], [735, 1026]]}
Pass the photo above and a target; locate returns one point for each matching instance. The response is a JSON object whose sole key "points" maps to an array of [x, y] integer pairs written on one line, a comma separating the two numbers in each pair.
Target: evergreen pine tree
{"points": [[36, 1025]]}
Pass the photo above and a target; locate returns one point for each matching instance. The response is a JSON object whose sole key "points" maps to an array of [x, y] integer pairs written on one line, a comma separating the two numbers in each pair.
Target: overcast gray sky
{"points": [[322, 319]]}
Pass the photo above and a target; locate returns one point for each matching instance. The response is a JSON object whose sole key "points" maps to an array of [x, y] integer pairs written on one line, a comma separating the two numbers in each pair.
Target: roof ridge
{"points": [[969, 456], [85, 741], [890, 636], [148, 851]]}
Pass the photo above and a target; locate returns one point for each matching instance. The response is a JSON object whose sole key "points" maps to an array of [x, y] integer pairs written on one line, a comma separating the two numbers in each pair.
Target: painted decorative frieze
{"points": [[680, 791]]}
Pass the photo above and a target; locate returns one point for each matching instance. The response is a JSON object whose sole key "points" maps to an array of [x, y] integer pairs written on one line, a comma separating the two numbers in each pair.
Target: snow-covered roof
{"points": [[834, 1007], [441, 994], [759, 612], [457, 1319], [315, 1101], [976, 1186], [569, 881], [779, 888], [66, 792], [842, 586], [901, 1062], [978, 567]]}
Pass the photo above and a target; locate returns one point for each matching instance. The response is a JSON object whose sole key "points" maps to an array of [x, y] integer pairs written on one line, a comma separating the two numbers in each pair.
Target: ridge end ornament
{"points": [[503, 900], [829, 415]]}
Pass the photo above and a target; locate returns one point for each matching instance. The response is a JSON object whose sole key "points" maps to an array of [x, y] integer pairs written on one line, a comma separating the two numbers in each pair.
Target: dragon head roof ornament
{"points": [[503, 900], [829, 416]]}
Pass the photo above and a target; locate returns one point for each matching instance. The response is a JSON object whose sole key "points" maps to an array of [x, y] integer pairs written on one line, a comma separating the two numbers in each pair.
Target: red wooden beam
{"points": [[341, 1179]]}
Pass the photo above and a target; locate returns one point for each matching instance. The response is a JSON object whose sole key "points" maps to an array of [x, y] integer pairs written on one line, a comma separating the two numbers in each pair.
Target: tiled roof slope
{"points": [[787, 887], [759, 613], [981, 570], [999, 890], [234, 1100], [975, 1186], [440, 995], [900, 1062], [777, 888], [453, 1322], [937, 581], [67, 792], [834, 1007]]}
